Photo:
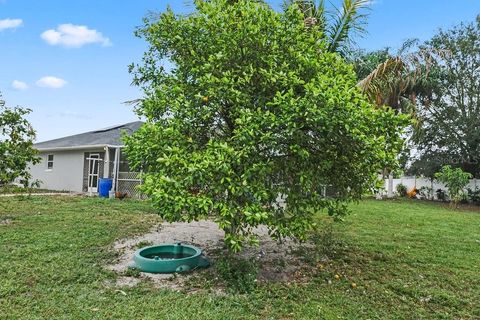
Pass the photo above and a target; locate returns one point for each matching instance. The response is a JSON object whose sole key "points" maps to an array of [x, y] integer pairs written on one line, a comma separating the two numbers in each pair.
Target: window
{"points": [[50, 162]]}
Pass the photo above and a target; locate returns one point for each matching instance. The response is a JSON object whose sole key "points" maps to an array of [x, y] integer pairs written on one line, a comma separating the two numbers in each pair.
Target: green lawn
{"points": [[409, 260], [12, 189]]}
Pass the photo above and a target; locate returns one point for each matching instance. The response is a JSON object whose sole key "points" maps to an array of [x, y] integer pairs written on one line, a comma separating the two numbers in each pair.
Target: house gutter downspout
{"points": [[106, 166], [116, 165]]}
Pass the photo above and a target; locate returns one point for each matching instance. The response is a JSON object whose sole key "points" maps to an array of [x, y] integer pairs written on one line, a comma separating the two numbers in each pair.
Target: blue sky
{"points": [[67, 60]]}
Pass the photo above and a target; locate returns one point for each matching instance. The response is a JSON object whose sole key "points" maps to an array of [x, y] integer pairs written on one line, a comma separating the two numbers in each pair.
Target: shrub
{"points": [[441, 194], [474, 196], [455, 180], [401, 190], [425, 192], [463, 197]]}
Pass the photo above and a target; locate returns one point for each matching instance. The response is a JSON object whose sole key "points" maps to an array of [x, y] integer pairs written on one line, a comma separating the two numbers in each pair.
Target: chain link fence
{"points": [[128, 183]]}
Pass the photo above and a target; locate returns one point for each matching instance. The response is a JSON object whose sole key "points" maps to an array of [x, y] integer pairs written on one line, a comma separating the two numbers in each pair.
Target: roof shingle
{"points": [[107, 136]]}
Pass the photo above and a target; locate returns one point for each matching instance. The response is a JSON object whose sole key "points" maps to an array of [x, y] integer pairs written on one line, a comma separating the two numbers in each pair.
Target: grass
{"points": [[13, 189], [409, 259]]}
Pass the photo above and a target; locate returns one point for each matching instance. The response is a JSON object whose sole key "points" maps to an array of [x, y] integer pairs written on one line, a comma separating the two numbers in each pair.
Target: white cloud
{"points": [[51, 82], [19, 85], [10, 23], [74, 36]]}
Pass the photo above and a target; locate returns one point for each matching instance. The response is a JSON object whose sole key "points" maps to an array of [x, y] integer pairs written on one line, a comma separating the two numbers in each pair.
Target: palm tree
{"points": [[340, 25], [395, 78], [397, 81]]}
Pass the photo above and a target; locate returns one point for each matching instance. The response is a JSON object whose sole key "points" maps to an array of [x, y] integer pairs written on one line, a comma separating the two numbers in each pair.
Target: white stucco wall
{"points": [[67, 172]]}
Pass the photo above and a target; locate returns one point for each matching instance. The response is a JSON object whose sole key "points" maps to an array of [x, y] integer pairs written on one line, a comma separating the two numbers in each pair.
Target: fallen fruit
{"points": [[337, 276]]}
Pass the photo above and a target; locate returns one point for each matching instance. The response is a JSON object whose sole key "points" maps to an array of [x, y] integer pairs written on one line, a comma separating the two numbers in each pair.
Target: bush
{"points": [[441, 195], [463, 197], [455, 180], [401, 190], [425, 192], [473, 196]]}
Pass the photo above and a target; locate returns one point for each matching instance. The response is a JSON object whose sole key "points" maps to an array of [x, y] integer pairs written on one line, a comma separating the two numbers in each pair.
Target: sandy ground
{"points": [[275, 260]]}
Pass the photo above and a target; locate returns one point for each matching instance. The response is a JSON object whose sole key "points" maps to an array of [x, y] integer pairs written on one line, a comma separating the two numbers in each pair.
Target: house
{"points": [[75, 163]]}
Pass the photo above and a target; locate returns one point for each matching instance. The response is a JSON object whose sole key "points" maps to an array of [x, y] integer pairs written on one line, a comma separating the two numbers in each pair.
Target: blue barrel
{"points": [[104, 185]]}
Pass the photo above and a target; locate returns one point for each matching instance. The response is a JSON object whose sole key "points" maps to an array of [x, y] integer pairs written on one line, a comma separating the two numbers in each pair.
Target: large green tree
{"points": [[16, 144], [449, 113], [254, 117]]}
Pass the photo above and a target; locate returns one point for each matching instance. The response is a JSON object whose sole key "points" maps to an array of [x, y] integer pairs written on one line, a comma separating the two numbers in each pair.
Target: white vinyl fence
{"points": [[413, 182]]}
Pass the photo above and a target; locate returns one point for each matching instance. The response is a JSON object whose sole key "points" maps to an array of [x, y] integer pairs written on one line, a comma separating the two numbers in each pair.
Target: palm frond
{"points": [[313, 12], [389, 68], [351, 18], [134, 102], [395, 81], [407, 45]]}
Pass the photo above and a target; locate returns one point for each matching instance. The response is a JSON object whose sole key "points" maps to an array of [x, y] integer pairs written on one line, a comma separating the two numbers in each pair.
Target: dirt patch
{"points": [[5, 221], [276, 261]]}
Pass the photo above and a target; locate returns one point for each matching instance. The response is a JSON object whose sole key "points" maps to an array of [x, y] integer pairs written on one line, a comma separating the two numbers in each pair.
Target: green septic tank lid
{"points": [[169, 258]]}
